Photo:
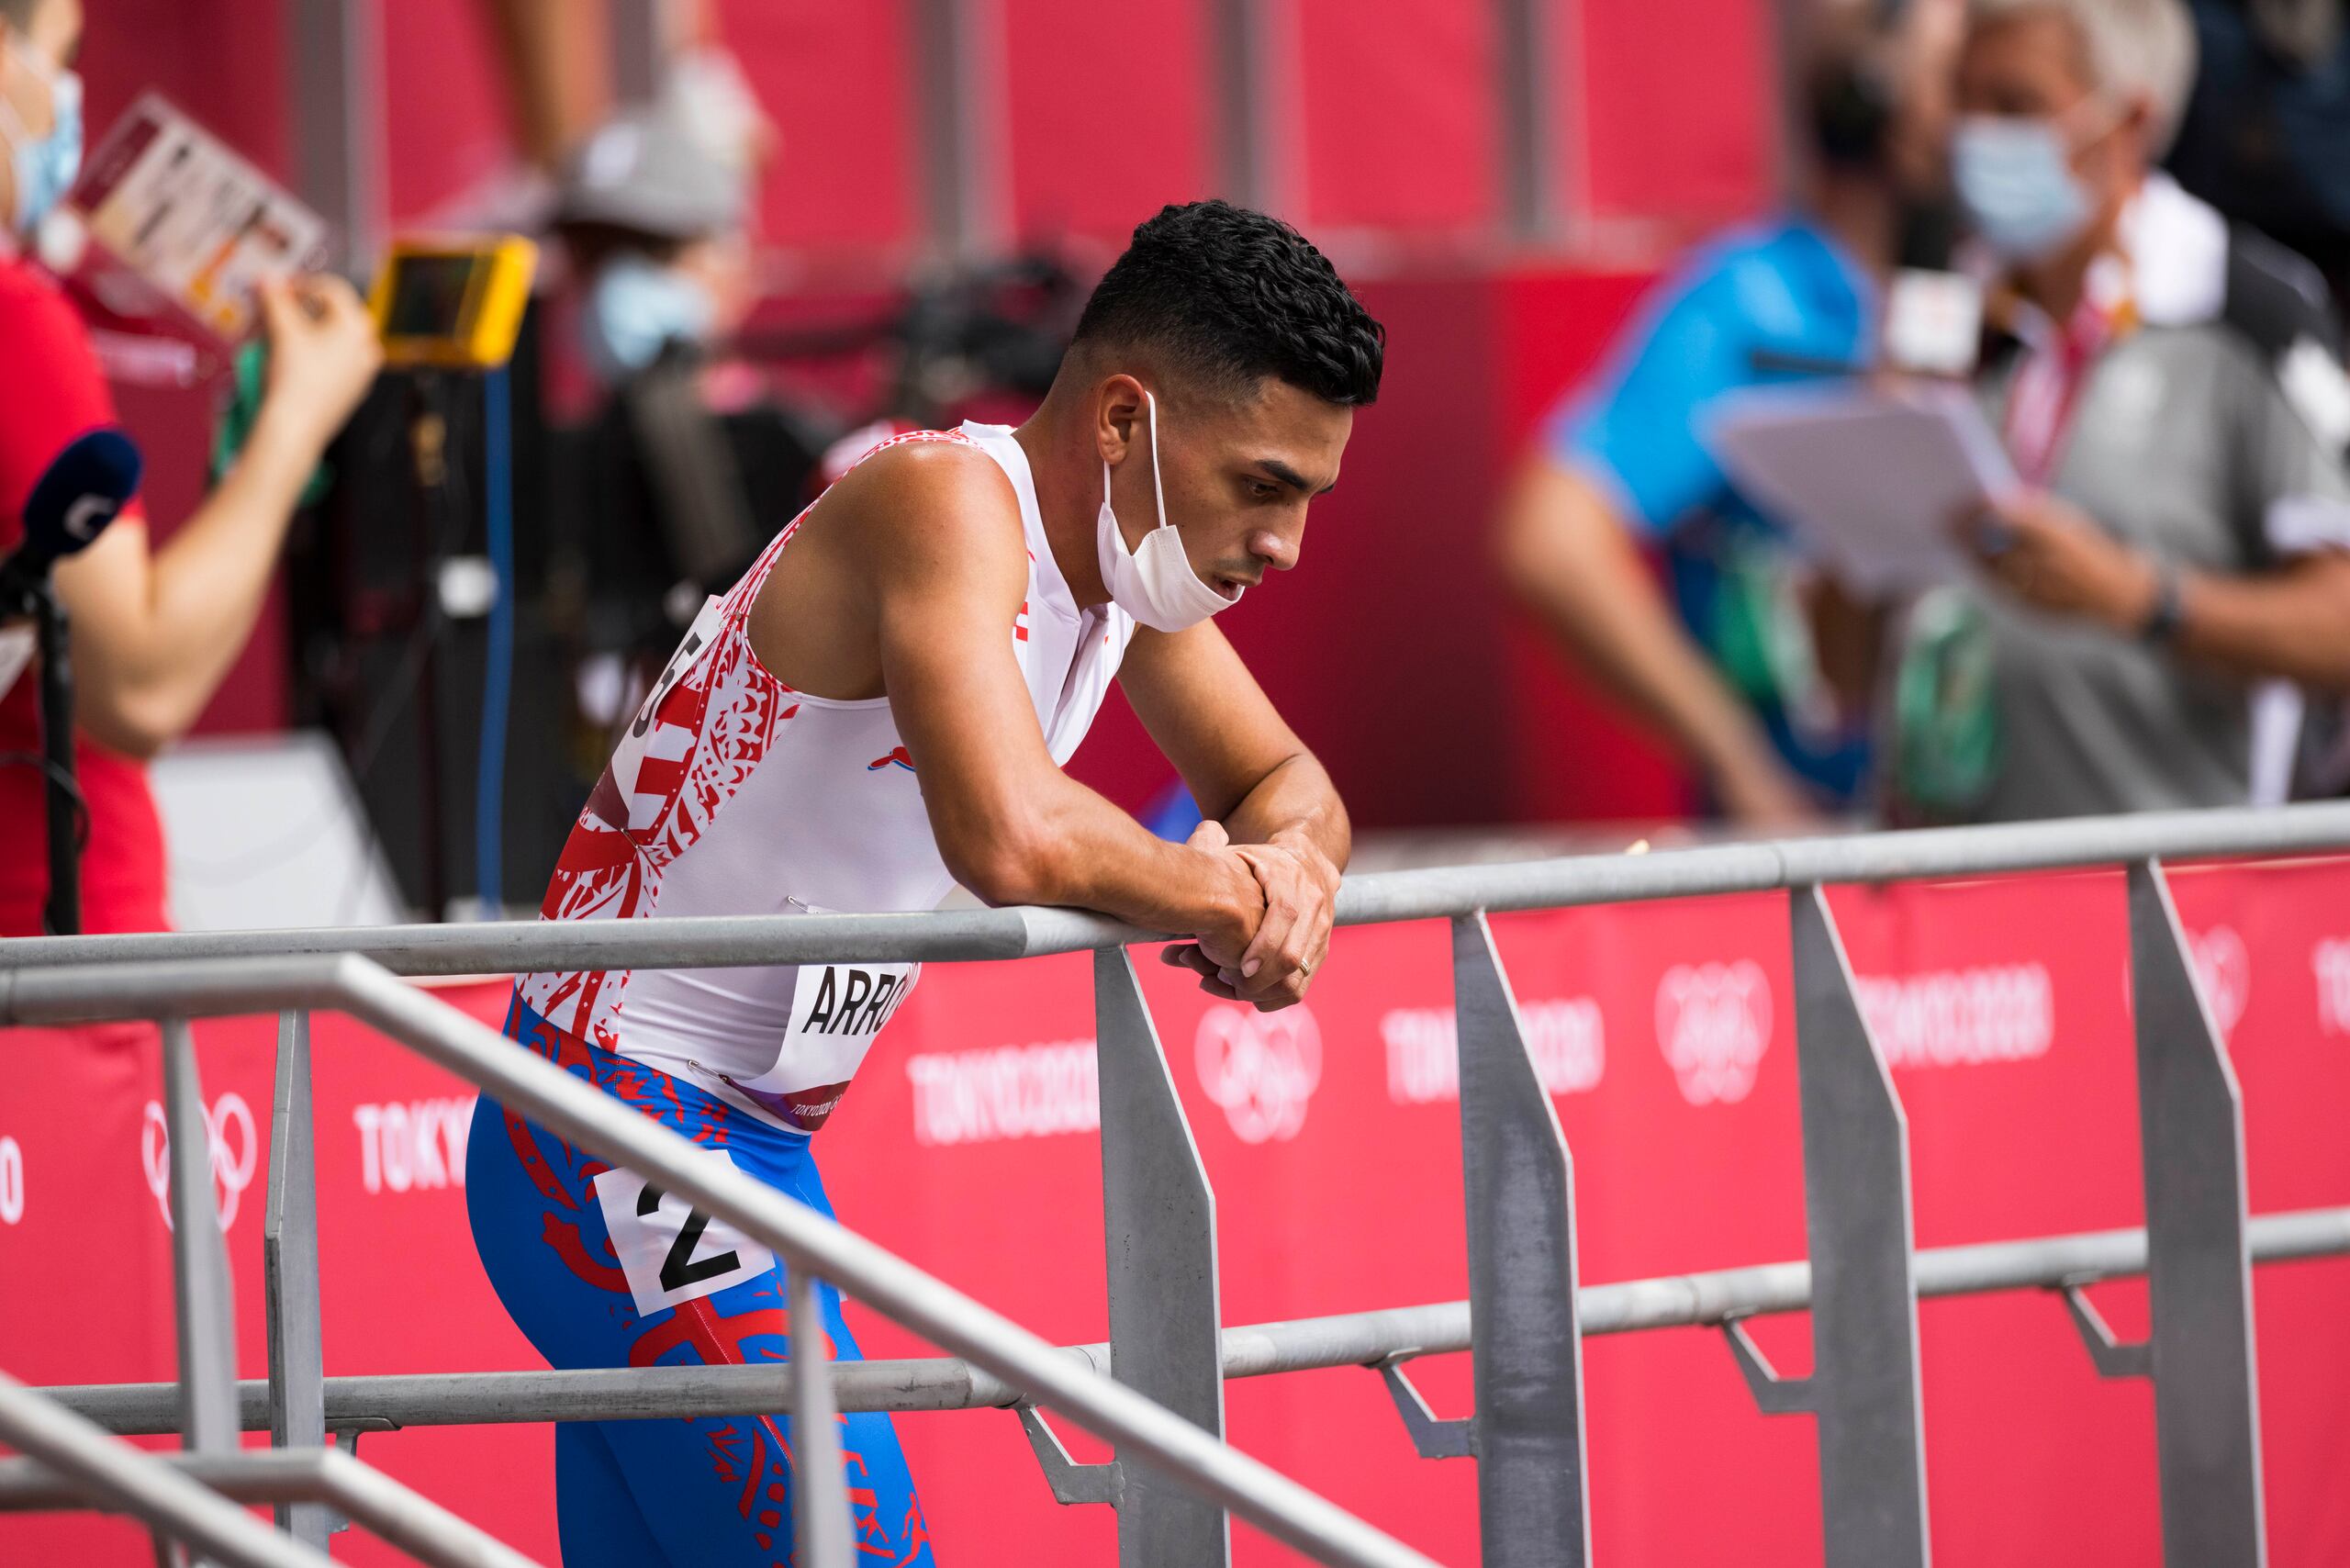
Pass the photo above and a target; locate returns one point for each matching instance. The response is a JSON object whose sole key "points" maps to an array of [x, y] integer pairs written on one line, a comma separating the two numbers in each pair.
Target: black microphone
{"points": [[83, 488]]}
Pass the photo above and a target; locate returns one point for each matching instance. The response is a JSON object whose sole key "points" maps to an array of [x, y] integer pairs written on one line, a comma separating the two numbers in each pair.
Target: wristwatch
{"points": [[2168, 613]]}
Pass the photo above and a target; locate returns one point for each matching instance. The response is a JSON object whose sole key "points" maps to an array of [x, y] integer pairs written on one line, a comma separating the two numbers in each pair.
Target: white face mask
{"points": [[1155, 584]]}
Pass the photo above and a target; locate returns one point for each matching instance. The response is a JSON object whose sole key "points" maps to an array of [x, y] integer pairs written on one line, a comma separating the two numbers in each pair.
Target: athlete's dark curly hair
{"points": [[1226, 296]]}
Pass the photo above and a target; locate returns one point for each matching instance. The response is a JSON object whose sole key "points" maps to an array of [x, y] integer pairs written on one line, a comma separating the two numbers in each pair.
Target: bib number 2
{"points": [[680, 1268], [670, 1251]]}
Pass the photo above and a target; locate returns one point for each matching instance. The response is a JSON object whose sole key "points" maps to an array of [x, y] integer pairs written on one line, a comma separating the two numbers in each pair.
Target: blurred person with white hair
{"points": [[2177, 558]]}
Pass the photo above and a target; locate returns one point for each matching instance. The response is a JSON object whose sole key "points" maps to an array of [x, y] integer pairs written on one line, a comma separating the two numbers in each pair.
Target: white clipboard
{"points": [[1872, 481]]}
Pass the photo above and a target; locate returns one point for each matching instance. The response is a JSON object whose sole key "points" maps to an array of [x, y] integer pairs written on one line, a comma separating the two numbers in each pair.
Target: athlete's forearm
{"points": [[1064, 845], [1295, 800], [1159, 886]]}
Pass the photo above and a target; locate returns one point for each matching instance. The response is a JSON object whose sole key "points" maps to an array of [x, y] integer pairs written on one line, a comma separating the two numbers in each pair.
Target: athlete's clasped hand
{"points": [[1271, 967]]}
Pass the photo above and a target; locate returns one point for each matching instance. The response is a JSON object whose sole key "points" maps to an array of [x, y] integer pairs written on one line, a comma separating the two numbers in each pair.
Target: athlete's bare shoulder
{"points": [[923, 520], [921, 505]]}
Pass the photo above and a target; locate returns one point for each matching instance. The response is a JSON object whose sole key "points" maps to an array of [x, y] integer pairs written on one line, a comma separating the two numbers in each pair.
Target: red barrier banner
{"points": [[1666, 1034]]}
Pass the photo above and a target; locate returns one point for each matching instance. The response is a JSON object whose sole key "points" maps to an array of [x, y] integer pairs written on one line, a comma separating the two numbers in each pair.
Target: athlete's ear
{"points": [[1120, 415]]}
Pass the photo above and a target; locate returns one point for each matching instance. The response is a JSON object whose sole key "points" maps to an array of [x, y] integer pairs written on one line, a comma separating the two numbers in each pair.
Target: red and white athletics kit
{"points": [[731, 793]]}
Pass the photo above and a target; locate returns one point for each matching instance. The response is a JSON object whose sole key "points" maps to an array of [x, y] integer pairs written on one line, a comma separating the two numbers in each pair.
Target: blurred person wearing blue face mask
{"points": [[2171, 577], [636, 307], [2058, 124], [41, 110], [2016, 179], [655, 222]]}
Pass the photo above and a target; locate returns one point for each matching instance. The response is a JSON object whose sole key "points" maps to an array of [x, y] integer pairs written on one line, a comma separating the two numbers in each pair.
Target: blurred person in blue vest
{"points": [[2172, 579], [1753, 669]]}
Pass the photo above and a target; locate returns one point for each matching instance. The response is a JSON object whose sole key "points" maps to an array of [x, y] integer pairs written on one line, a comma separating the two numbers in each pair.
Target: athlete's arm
{"points": [[1250, 774], [945, 567], [1572, 561]]}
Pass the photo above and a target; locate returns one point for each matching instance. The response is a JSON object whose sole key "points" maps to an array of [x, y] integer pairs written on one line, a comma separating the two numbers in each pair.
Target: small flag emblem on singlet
{"points": [[897, 757]]}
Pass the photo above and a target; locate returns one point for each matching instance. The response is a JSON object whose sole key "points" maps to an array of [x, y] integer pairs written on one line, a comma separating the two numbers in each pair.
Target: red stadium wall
{"points": [[1107, 117], [966, 1146]]}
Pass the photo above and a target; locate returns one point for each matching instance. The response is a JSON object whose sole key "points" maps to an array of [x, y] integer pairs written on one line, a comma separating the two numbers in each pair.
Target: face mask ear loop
{"points": [[1157, 489]]}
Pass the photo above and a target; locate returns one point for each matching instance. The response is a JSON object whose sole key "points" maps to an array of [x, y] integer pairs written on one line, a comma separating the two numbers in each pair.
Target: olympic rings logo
{"points": [[1713, 1024], [231, 1142], [1262, 1067]]}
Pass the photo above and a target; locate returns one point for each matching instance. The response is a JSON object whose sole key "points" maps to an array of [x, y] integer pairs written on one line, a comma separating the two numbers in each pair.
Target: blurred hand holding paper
{"points": [[168, 235], [1869, 480]]}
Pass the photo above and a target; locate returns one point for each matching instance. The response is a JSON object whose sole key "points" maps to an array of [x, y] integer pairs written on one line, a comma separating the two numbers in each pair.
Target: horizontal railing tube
{"points": [[1263, 1349], [1439, 892], [141, 1483], [692, 942], [623, 1393], [410, 1522], [1916, 854], [1978, 1268]]}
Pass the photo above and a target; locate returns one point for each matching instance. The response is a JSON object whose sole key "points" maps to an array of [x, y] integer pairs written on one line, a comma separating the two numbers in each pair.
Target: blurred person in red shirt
{"points": [[154, 629]]}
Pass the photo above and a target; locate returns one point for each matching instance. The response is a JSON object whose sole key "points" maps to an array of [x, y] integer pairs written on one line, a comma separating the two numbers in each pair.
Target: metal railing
{"points": [[1173, 1480]]}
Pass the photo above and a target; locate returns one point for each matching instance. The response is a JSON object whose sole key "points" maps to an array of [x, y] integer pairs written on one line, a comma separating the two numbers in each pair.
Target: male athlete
{"points": [[881, 709]]}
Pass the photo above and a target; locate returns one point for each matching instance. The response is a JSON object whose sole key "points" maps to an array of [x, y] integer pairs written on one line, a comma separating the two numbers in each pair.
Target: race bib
{"points": [[836, 1011], [670, 1251]]}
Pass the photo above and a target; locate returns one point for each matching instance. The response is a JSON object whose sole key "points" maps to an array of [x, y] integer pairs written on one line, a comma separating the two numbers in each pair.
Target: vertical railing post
{"points": [[298, 1390], [1158, 1226], [334, 54], [821, 1526], [202, 1290], [641, 32], [1864, 1386], [1254, 55], [958, 62], [1518, 1178], [2190, 1118], [1529, 93]]}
